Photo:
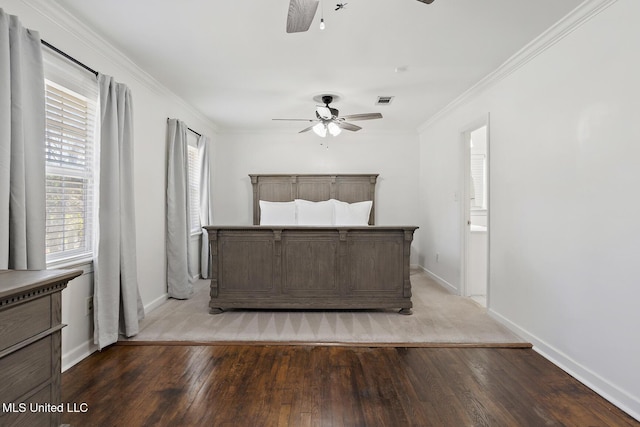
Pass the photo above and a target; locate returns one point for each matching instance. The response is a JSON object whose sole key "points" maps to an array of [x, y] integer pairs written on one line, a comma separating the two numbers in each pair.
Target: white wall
{"points": [[392, 155], [564, 229], [153, 104]]}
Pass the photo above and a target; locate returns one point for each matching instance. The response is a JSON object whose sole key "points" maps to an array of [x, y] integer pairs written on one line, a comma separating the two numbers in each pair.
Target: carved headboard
{"points": [[348, 188]]}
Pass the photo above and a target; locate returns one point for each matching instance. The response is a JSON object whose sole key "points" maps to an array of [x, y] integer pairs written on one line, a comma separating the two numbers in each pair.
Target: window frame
{"points": [[58, 79]]}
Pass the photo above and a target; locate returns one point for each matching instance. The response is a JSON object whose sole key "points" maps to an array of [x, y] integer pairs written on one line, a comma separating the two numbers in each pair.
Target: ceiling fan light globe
{"points": [[320, 129], [334, 129]]}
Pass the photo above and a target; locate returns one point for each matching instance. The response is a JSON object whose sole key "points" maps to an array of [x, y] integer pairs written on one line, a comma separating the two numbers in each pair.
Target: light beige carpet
{"points": [[439, 319]]}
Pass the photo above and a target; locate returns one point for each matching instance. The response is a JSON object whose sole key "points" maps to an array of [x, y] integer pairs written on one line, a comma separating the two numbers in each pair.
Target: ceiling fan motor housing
{"points": [[327, 113], [327, 99]]}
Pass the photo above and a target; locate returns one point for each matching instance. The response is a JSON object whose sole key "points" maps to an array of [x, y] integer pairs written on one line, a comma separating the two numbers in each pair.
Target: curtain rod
{"points": [[188, 128], [69, 57], [86, 67]]}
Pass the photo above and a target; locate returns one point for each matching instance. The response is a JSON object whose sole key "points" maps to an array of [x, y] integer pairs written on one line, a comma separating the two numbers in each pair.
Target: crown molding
{"points": [[581, 14], [63, 19]]}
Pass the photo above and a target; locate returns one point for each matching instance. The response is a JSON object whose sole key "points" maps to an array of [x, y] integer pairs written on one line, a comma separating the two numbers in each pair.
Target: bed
{"points": [[308, 262]]}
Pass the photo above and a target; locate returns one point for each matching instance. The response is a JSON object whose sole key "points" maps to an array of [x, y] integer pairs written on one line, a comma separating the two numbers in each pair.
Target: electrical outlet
{"points": [[88, 306]]}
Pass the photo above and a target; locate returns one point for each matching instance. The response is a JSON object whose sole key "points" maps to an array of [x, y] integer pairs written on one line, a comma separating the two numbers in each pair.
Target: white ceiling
{"points": [[234, 61]]}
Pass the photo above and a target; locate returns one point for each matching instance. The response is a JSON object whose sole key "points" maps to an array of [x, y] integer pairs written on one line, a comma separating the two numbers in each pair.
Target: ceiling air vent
{"points": [[384, 100]]}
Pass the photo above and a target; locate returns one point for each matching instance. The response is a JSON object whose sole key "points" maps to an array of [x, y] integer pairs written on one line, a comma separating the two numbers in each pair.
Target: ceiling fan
{"points": [[301, 13], [329, 121]]}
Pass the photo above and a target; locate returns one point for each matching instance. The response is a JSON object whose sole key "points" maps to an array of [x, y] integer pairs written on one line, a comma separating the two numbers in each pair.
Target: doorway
{"points": [[475, 257]]}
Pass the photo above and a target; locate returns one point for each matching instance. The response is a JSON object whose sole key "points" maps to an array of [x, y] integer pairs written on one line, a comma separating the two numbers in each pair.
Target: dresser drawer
{"points": [[25, 369], [25, 320], [30, 418]]}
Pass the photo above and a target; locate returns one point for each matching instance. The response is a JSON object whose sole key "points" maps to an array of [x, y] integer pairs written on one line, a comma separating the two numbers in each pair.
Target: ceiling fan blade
{"points": [[364, 116], [300, 16], [307, 129], [426, 1], [297, 120], [347, 126]]}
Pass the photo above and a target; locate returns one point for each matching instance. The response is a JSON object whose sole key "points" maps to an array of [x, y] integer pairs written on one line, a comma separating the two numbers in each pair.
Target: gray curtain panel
{"points": [[117, 303], [206, 209], [22, 151], [179, 282]]}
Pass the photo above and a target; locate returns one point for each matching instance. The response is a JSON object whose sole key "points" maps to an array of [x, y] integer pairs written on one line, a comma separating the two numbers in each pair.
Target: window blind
{"points": [[69, 173], [71, 96], [194, 184]]}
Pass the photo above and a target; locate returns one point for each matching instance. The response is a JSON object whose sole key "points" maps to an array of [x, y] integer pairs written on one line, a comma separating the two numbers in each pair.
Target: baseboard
{"points": [[441, 281], [327, 344], [85, 349], [618, 397], [156, 303], [78, 354]]}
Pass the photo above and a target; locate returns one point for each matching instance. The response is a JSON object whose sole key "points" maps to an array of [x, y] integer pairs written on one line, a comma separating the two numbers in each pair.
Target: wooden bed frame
{"points": [[303, 267]]}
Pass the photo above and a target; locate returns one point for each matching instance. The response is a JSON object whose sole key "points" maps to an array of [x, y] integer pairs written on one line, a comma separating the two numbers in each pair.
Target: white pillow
{"points": [[277, 213], [351, 213], [314, 213]]}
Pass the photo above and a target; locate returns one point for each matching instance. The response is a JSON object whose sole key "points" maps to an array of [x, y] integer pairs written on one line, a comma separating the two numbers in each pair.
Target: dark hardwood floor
{"points": [[256, 385]]}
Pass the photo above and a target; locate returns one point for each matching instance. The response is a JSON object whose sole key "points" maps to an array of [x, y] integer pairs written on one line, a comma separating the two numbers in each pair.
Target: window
{"points": [[194, 184], [69, 148]]}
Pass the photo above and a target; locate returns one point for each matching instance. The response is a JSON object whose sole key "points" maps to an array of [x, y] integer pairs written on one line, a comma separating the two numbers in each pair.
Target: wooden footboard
{"points": [[263, 267]]}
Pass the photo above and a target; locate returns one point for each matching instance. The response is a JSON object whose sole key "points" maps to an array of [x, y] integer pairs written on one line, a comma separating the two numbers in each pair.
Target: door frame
{"points": [[465, 206]]}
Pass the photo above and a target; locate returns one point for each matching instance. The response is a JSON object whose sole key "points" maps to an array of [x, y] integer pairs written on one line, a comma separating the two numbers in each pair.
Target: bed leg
{"points": [[215, 310], [406, 311]]}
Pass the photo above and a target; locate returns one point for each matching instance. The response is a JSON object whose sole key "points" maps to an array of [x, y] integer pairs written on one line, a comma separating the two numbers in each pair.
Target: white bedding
{"points": [[314, 213], [325, 213], [277, 213]]}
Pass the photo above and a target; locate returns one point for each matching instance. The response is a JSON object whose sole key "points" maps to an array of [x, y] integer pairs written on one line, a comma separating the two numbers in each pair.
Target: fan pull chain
{"points": [[322, 26]]}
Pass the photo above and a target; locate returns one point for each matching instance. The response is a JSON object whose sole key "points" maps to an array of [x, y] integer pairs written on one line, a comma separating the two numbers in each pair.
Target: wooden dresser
{"points": [[30, 346]]}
